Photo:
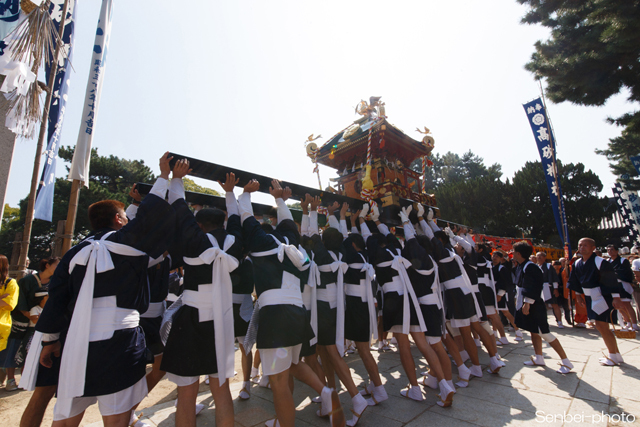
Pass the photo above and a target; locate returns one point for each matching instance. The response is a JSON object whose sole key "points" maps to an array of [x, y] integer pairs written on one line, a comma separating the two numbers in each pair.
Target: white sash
{"points": [[401, 264], [366, 293], [312, 283], [436, 295], [221, 301], [97, 257], [32, 363], [467, 281], [598, 303], [340, 267], [156, 309]]}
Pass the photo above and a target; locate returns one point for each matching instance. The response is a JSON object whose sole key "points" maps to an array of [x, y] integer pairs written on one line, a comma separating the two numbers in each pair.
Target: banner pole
{"points": [[28, 223], [72, 213], [555, 167]]}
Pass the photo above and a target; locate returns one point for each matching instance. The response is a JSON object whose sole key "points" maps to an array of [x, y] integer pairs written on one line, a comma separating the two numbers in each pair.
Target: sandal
{"points": [[246, 390], [272, 423], [356, 417], [337, 414], [137, 420], [445, 403], [603, 361], [533, 362]]}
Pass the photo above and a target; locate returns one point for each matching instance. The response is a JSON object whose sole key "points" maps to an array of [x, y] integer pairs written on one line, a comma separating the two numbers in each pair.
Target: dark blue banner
{"points": [[546, 146], [636, 162], [44, 198]]}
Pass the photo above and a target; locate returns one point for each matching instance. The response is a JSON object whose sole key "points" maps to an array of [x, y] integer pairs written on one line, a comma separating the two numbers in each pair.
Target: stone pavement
{"points": [[518, 396]]}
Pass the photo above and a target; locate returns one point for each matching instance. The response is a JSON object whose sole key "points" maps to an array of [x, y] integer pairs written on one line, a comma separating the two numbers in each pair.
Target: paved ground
{"points": [[518, 396]]}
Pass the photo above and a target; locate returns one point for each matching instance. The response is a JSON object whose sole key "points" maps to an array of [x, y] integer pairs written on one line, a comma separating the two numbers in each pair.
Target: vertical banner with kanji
{"points": [[82, 155], [546, 146], [629, 208], [43, 208]]}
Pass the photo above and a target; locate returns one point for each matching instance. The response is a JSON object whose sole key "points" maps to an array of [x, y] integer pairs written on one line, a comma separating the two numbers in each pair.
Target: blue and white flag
{"points": [[629, 208], [82, 154], [44, 199], [546, 146], [636, 162]]}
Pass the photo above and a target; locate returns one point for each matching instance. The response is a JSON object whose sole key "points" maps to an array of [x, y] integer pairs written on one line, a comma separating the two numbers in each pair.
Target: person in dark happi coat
{"points": [[550, 286], [422, 273], [327, 254], [282, 323], [622, 267], [462, 309], [360, 312], [531, 314], [505, 289], [200, 341], [151, 320], [487, 286], [242, 279], [596, 285], [97, 293]]}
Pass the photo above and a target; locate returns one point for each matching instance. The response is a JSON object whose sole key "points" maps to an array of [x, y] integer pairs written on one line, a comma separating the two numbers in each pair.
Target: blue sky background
{"points": [[242, 83]]}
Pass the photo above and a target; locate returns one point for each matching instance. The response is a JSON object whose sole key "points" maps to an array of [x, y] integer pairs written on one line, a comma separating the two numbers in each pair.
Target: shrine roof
{"points": [[353, 148]]}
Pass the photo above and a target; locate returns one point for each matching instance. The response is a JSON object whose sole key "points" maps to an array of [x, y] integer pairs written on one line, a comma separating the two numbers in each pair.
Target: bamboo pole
{"points": [[71, 216], [24, 250]]}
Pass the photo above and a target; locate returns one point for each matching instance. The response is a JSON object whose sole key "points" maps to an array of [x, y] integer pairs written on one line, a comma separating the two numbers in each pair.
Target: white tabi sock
{"points": [[325, 395], [464, 372], [430, 381], [254, 372], [476, 371], [244, 393], [199, 408], [464, 355], [566, 367], [538, 360], [477, 341], [380, 394], [450, 383], [445, 389]]}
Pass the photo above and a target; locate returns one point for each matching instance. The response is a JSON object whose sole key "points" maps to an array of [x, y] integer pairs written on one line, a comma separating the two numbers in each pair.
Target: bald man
{"points": [[596, 284]]}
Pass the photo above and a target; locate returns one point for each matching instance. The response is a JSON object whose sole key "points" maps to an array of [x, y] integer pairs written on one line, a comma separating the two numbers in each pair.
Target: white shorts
{"points": [[491, 310], [276, 360], [433, 340], [461, 323], [397, 329], [109, 404], [181, 381], [455, 332], [240, 340]]}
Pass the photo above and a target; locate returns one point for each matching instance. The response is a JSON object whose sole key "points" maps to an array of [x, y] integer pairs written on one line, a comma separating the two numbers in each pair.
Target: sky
{"points": [[243, 83]]}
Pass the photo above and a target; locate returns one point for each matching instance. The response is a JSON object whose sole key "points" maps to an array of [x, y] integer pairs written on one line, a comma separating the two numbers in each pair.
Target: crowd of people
{"points": [[302, 295]]}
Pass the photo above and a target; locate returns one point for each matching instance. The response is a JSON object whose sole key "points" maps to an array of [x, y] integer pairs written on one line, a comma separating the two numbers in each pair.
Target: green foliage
{"points": [[110, 178], [451, 168], [592, 54], [190, 185], [532, 205], [10, 215]]}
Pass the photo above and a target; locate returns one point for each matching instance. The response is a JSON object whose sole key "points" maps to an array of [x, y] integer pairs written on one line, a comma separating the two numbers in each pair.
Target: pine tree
{"points": [[593, 53]]}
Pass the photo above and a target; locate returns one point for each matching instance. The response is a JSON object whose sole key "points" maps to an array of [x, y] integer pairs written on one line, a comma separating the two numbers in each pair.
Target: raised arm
{"points": [[313, 216], [343, 220], [277, 192], [331, 218]]}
